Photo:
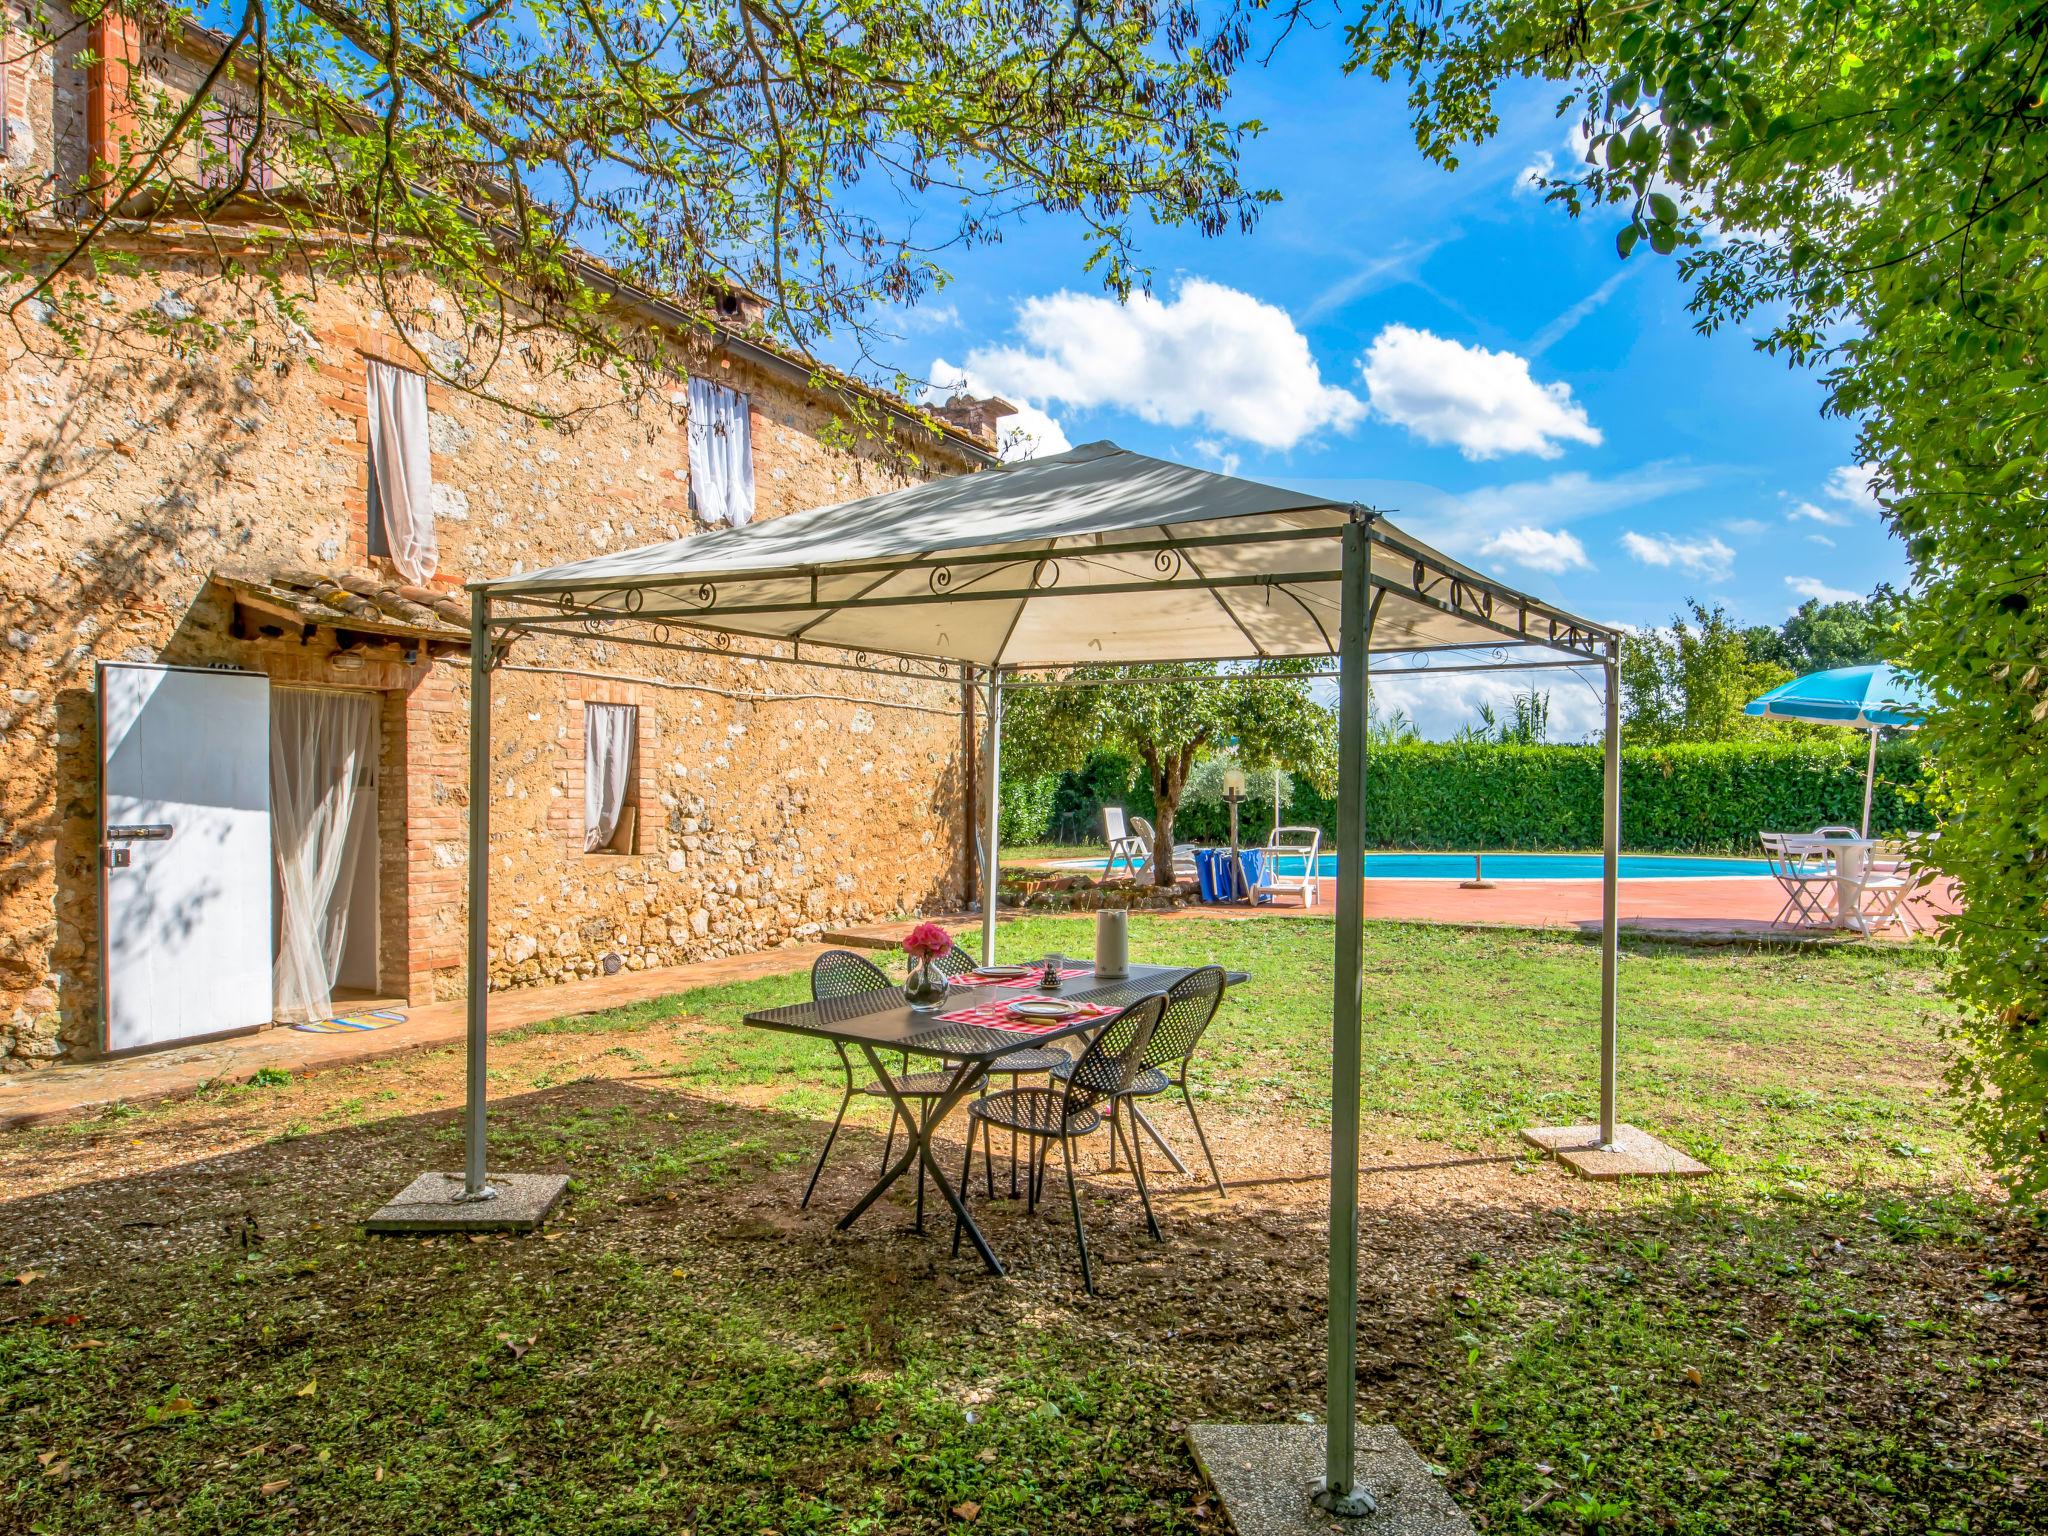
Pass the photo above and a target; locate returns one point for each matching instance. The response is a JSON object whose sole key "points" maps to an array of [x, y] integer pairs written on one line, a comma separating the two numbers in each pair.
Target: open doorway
{"points": [[323, 795]]}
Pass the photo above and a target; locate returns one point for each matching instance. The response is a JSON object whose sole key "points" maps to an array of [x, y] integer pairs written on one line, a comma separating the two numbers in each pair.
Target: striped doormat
{"points": [[374, 1018]]}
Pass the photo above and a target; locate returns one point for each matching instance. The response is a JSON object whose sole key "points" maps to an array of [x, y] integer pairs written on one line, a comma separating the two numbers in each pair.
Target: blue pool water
{"points": [[1536, 866]]}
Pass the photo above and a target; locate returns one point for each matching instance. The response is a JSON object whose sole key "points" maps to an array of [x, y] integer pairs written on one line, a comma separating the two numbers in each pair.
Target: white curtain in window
{"points": [[323, 752], [721, 454], [608, 733], [400, 463]]}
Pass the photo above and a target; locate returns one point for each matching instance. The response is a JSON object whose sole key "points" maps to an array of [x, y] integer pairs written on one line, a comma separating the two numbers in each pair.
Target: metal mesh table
{"points": [[881, 1021]]}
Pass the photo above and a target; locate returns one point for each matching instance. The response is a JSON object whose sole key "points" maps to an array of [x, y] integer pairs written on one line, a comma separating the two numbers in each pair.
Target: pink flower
{"points": [[928, 941]]}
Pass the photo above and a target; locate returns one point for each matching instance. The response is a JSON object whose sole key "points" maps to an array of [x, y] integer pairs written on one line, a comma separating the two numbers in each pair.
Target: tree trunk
{"points": [[1164, 803]]}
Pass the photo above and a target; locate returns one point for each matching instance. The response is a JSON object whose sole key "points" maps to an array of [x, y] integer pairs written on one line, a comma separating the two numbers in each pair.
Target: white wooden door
{"points": [[185, 876]]}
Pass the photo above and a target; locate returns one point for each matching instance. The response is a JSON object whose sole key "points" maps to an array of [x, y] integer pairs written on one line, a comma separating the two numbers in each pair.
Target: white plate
{"points": [[1044, 1008], [1004, 972]]}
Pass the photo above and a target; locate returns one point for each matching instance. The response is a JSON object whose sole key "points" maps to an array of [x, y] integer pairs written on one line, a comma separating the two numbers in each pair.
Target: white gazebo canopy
{"points": [[1094, 556]]}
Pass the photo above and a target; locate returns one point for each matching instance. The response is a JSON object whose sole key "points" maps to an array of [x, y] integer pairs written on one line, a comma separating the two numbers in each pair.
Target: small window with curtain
{"points": [[611, 799], [229, 144], [401, 477], [721, 455], [15, 138]]}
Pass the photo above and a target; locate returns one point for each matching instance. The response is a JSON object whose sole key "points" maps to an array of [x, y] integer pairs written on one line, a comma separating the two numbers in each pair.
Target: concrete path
{"points": [[56, 1093]]}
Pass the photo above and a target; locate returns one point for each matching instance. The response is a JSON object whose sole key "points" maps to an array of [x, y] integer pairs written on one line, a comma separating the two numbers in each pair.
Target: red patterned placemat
{"points": [[996, 1015], [1031, 978]]}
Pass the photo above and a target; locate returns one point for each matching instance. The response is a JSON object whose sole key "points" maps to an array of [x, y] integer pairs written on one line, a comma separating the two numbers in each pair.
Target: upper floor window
{"points": [[401, 480], [611, 800], [721, 455], [229, 145], [17, 140]]}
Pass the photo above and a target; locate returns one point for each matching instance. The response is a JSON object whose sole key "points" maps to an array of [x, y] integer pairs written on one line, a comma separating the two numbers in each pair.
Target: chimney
{"points": [[977, 418], [110, 104], [736, 307]]}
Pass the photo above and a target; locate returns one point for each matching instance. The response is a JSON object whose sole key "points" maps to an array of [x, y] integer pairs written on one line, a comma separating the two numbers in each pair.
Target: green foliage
{"points": [[1168, 718], [1394, 727], [811, 156], [1104, 778], [1819, 637], [1689, 682], [1027, 810], [1688, 797], [1877, 179], [1526, 723]]}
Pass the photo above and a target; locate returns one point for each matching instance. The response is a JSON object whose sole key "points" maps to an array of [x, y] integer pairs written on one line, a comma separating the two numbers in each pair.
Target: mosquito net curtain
{"points": [[323, 756]]}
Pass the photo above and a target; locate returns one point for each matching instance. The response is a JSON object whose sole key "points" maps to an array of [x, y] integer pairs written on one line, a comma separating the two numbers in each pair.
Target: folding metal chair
{"points": [[1806, 872]]}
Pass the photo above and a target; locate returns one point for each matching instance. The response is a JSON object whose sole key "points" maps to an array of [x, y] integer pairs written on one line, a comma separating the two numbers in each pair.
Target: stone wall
{"points": [[774, 799]]}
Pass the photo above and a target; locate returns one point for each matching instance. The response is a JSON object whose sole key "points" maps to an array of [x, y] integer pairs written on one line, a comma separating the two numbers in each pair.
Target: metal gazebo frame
{"points": [[818, 608]]}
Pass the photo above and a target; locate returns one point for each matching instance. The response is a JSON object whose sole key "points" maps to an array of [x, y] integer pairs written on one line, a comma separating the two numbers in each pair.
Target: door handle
{"points": [[146, 832]]}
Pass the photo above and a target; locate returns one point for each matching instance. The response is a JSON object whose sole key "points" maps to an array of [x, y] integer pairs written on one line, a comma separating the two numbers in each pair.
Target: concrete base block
{"points": [[429, 1204], [1635, 1153], [1265, 1474]]}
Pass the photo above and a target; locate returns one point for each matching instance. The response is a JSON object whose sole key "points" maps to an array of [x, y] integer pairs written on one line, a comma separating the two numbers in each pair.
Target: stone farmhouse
{"points": [[234, 636]]}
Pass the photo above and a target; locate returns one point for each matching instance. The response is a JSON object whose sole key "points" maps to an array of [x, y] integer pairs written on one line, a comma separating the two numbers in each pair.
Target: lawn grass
{"points": [[1831, 1334]]}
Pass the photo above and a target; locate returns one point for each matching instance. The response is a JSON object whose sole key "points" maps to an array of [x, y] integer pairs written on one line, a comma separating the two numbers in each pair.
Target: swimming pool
{"points": [[1536, 866]]}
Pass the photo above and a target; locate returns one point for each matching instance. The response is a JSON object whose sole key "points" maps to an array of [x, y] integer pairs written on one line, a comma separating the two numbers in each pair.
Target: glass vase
{"points": [[925, 990]]}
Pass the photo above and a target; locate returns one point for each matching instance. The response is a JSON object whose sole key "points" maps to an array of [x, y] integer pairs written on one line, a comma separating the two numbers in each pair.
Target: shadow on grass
{"points": [[214, 1345]]}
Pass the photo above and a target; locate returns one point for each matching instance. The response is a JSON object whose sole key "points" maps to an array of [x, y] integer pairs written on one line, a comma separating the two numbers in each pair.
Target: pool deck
{"points": [[1718, 908], [1722, 907]]}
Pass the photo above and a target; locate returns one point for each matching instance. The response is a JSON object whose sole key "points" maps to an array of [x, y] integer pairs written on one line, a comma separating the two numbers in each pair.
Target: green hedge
{"points": [[1026, 816], [1710, 797], [1704, 797]]}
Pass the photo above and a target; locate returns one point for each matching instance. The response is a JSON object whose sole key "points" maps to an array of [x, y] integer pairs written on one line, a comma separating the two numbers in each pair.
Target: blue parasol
{"points": [[1867, 698]]}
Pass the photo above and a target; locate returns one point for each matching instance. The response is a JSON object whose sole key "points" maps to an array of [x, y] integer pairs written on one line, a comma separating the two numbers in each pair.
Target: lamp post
{"points": [[1233, 794]]}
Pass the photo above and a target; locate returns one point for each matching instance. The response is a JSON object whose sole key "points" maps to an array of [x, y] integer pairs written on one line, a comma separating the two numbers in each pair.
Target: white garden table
{"points": [[1850, 854]]}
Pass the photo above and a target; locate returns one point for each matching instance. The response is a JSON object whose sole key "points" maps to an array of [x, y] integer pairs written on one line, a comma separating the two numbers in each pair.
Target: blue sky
{"points": [[1446, 347]]}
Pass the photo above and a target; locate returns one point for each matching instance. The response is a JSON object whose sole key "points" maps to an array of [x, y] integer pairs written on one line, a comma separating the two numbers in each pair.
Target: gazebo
{"points": [[1097, 555]]}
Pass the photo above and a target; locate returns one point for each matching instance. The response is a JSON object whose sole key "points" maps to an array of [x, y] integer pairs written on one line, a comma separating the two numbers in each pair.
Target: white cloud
{"points": [[1463, 524], [1540, 549], [1568, 320], [1854, 486], [1029, 434], [1400, 264], [1746, 527], [1850, 493], [1211, 356], [1226, 462], [1441, 705], [1821, 539], [1702, 557], [1807, 512], [1483, 402], [928, 317], [1541, 168], [1814, 587]]}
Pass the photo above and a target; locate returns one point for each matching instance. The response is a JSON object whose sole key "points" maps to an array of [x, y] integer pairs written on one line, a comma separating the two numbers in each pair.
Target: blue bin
{"points": [[1205, 873], [1253, 862]]}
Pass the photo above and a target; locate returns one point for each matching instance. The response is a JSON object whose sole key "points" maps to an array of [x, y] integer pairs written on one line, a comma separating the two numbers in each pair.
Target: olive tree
{"points": [[1168, 718]]}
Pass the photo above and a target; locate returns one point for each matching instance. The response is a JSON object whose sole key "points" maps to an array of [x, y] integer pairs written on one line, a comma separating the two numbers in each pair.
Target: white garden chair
{"points": [[1289, 846], [1881, 902], [1889, 860], [1806, 871], [1183, 853], [1125, 846]]}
